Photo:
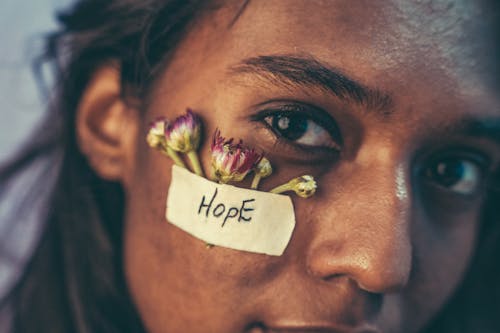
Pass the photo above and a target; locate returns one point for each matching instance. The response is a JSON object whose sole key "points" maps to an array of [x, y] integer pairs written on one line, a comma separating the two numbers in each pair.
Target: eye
{"points": [[457, 174], [306, 127]]}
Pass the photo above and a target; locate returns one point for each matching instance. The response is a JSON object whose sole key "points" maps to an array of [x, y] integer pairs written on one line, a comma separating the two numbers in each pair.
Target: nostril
{"points": [[379, 268], [331, 277], [255, 328]]}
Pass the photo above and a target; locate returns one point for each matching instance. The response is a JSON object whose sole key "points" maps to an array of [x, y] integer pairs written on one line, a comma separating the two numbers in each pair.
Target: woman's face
{"points": [[387, 105]]}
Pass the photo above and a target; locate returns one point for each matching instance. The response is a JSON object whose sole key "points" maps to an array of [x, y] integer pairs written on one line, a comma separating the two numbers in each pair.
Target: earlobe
{"points": [[106, 125]]}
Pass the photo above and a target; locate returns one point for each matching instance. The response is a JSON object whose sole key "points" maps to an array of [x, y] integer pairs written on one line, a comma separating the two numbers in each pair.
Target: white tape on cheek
{"points": [[230, 216]]}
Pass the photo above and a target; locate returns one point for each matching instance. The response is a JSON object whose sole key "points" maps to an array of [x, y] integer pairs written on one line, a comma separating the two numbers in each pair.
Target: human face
{"points": [[403, 88]]}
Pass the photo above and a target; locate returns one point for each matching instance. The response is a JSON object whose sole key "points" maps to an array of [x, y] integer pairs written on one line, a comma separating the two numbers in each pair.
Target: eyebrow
{"points": [[488, 128], [309, 72]]}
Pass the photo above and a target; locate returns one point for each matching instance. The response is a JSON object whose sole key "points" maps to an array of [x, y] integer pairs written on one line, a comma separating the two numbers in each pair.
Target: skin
{"points": [[381, 246]]}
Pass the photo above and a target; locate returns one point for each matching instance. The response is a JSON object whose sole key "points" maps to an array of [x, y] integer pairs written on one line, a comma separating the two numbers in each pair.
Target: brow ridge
{"points": [[307, 71]]}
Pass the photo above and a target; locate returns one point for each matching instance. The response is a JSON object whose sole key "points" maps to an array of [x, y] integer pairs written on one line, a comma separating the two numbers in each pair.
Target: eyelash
{"points": [[473, 161], [310, 113], [475, 164]]}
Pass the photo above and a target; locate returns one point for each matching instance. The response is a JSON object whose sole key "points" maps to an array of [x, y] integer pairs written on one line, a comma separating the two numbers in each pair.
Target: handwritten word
{"points": [[220, 210]]}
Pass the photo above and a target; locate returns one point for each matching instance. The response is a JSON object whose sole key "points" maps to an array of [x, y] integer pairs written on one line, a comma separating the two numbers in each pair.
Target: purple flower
{"points": [[184, 134], [230, 161]]}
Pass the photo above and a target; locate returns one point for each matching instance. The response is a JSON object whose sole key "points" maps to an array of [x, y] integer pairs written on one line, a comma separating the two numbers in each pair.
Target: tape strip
{"points": [[230, 216]]}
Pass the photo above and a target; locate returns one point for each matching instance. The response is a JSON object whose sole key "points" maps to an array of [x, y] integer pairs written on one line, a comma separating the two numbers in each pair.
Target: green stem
{"points": [[213, 178], [175, 157], [281, 189], [195, 162], [255, 181]]}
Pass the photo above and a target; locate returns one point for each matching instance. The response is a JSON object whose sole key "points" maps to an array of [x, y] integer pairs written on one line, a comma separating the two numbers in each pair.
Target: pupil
{"points": [[292, 128], [449, 172]]}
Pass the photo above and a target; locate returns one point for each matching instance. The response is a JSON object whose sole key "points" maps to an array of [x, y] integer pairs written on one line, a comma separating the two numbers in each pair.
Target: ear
{"points": [[106, 125]]}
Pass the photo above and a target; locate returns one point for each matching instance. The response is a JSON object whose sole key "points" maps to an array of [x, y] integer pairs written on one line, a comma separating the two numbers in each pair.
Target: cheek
{"points": [[441, 257], [177, 282]]}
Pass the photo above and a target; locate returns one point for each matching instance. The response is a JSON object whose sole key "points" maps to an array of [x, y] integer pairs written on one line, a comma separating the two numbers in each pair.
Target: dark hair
{"points": [[75, 280]]}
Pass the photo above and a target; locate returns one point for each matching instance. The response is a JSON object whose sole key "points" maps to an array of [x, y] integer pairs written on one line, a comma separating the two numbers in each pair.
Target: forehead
{"points": [[429, 50], [450, 37]]}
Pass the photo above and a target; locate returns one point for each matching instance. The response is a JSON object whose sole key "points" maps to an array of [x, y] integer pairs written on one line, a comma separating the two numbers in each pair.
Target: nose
{"points": [[365, 234]]}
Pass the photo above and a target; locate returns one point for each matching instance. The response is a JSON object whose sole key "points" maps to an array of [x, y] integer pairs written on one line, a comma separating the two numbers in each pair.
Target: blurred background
{"points": [[22, 27]]}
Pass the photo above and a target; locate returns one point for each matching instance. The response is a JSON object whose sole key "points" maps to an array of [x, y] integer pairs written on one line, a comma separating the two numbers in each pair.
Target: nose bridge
{"points": [[366, 237]]}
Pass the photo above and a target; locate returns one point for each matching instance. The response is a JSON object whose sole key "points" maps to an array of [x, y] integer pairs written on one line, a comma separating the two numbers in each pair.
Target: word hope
{"points": [[220, 210]]}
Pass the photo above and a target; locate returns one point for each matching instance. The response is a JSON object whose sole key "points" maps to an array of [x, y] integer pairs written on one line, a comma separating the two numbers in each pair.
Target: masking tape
{"points": [[230, 216]]}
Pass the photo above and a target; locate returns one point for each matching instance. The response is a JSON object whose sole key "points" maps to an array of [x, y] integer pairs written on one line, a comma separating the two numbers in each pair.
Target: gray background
{"points": [[22, 27]]}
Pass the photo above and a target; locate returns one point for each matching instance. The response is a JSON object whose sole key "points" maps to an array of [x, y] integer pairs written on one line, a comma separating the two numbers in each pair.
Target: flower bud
{"points": [[184, 134], [156, 133], [231, 162], [304, 186], [264, 168]]}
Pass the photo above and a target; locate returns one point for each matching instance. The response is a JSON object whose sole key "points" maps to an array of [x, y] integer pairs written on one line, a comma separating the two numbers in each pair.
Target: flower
{"points": [[156, 133], [263, 169], [230, 161], [304, 186], [184, 134], [156, 139]]}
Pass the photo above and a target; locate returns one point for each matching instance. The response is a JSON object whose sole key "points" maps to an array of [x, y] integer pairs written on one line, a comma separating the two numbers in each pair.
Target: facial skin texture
{"points": [[382, 245]]}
